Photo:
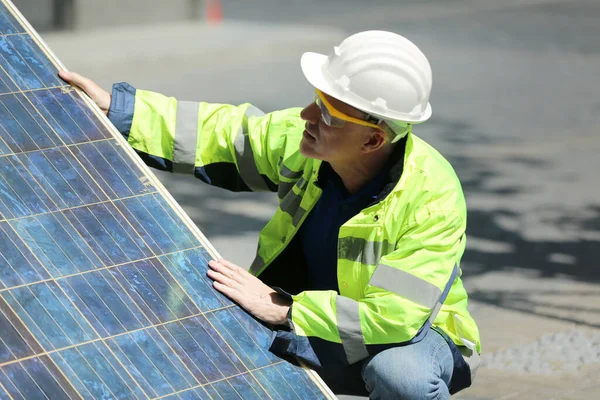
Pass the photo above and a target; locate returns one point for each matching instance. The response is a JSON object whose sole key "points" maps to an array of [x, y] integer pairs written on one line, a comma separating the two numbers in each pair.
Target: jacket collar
{"points": [[394, 166]]}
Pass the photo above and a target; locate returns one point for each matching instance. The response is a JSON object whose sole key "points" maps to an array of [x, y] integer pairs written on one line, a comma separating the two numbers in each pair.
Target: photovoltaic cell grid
{"points": [[103, 288]]}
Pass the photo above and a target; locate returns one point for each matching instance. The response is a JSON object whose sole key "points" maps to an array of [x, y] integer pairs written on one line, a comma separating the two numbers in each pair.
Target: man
{"points": [[370, 228]]}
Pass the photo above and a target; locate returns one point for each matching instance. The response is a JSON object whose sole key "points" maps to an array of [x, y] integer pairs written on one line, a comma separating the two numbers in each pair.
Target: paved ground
{"points": [[516, 110]]}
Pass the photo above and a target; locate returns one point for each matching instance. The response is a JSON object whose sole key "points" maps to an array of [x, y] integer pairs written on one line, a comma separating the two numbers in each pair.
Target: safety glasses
{"points": [[336, 119]]}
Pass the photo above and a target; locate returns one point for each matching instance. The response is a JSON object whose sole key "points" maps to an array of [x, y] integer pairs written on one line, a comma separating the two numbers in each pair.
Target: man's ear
{"points": [[374, 141]]}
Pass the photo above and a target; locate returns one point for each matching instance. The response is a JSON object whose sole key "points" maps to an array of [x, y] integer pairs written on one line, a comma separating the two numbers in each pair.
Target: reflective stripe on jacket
{"points": [[398, 259]]}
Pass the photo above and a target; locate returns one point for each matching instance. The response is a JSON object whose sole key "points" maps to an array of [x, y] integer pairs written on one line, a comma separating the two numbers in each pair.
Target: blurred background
{"points": [[516, 100]]}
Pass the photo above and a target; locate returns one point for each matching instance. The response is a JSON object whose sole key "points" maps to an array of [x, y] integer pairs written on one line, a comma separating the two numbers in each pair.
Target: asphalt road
{"points": [[516, 111]]}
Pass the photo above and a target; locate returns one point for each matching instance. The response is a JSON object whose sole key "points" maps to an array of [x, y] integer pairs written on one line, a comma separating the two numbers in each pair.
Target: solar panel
{"points": [[103, 287]]}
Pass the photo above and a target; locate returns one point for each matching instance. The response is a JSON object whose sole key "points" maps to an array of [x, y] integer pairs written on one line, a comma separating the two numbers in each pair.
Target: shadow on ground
{"points": [[529, 219]]}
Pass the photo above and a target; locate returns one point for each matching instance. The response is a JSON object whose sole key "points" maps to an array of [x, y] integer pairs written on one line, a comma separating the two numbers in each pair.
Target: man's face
{"points": [[332, 144]]}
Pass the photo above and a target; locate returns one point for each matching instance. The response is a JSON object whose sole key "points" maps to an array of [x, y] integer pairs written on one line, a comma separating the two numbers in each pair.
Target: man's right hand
{"points": [[100, 96]]}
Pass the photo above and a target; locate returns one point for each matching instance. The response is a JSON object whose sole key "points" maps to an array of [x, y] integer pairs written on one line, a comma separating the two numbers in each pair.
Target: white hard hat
{"points": [[378, 72]]}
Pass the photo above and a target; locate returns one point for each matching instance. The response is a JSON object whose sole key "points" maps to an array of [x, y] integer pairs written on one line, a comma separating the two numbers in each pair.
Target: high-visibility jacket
{"points": [[398, 259]]}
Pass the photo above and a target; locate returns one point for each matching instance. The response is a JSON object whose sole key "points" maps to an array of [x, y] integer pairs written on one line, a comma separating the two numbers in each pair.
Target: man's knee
{"points": [[421, 372], [387, 377]]}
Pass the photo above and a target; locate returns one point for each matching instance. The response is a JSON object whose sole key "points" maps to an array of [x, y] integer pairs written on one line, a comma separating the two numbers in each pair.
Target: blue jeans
{"points": [[417, 371]]}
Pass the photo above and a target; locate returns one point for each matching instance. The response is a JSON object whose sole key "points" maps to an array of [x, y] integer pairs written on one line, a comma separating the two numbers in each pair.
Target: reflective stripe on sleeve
{"points": [[444, 295], [288, 173], [291, 203], [348, 315], [245, 156], [406, 285], [256, 265], [284, 188], [361, 250], [348, 322], [186, 137], [298, 217]]}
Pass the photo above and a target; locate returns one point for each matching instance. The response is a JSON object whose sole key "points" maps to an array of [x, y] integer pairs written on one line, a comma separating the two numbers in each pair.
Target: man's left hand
{"points": [[249, 292]]}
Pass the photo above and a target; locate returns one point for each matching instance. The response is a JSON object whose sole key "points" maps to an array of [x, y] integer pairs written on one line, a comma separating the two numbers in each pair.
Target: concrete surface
{"points": [[516, 111]]}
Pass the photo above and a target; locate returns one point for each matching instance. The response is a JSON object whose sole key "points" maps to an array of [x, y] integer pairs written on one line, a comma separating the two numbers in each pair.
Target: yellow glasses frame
{"points": [[335, 118]]}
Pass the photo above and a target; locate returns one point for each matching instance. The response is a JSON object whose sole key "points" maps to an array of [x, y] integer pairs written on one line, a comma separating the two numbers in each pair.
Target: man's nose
{"points": [[311, 113]]}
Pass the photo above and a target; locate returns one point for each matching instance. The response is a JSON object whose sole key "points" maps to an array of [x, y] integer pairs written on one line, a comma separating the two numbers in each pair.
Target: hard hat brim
{"points": [[312, 67]]}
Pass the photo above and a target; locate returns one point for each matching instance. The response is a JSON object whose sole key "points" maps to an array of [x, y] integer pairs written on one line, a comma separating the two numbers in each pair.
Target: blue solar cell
{"points": [[261, 335], [160, 230], [53, 319], [106, 365], [43, 319], [7, 85], [19, 139], [12, 346], [18, 69], [80, 102], [8, 23], [3, 147], [6, 193], [205, 356], [201, 393], [112, 176], [57, 244], [19, 192], [164, 284], [248, 387], [139, 352], [73, 106], [59, 175], [194, 394], [47, 378], [48, 106], [169, 221], [300, 382], [141, 378], [101, 304], [158, 306], [93, 378], [3, 393], [27, 131], [107, 233], [44, 246], [18, 265], [32, 56], [165, 345], [103, 286], [11, 390], [212, 392], [218, 349], [241, 340], [96, 373], [272, 379], [225, 390], [106, 305], [125, 169], [240, 387], [145, 223], [107, 215], [181, 342], [19, 378], [189, 269]]}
